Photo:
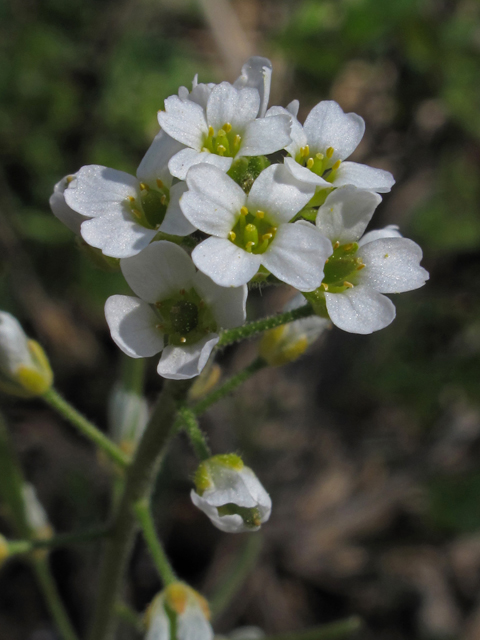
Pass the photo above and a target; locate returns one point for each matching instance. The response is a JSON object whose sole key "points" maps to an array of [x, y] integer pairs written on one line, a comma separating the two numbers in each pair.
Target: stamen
{"points": [[267, 236], [310, 163], [232, 235], [360, 267], [249, 246], [336, 165], [348, 247], [183, 340], [159, 183], [163, 199], [347, 284], [221, 149], [336, 245], [211, 131], [330, 152], [244, 211], [143, 186], [69, 179], [327, 260], [325, 286], [227, 127], [260, 214], [237, 140], [306, 150], [131, 199], [137, 214]]}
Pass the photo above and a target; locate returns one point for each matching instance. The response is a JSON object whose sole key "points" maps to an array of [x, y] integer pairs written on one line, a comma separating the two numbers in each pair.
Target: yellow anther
{"points": [[325, 286], [137, 213], [232, 235], [183, 340], [131, 199], [211, 131], [244, 211], [347, 284], [160, 184], [310, 163], [329, 152], [227, 127], [143, 186], [260, 214], [237, 140], [249, 246], [336, 245], [69, 179], [360, 267], [272, 230], [306, 150], [348, 247], [336, 165], [319, 156], [267, 236], [221, 133], [327, 260], [221, 149], [163, 199]]}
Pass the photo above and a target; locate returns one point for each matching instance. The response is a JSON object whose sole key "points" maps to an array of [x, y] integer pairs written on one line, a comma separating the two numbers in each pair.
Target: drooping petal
{"points": [[117, 234], [159, 272], [225, 263], [183, 160], [257, 73], [237, 107], [183, 363], [213, 201], [226, 303], [154, 164], [193, 625], [159, 623], [132, 324], [265, 135], [390, 231], [346, 213], [184, 121], [360, 310], [392, 265], [277, 192], [98, 191], [229, 524], [363, 177], [328, 126], [60, 208], [175, 222], [297, 255], [305, 175]]}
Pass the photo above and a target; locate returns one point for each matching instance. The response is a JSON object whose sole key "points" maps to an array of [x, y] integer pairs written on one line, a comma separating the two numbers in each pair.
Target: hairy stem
{"points": [[195, 434]]}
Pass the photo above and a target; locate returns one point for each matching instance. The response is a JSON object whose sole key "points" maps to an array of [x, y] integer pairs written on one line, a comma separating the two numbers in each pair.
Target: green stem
{"points": [[333, 631], [144, 517], [236, 574], [130, 616], [258, 326], [138, 484], [133, 374], [62, 540], [228, 386], [86, 428], [195, 434]]}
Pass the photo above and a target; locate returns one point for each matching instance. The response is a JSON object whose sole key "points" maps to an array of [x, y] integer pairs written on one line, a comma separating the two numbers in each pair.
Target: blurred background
{"points": [[369, 445]]}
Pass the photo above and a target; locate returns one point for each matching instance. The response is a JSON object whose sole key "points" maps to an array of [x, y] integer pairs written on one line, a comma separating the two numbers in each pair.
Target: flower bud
{"points": [[24, 367], [127, 417], [35, 514], [4, 550], [178, 613], [230, 494], [289, 341]]}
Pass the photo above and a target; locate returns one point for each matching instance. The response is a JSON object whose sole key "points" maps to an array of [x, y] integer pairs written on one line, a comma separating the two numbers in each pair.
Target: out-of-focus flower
{"points": [[178, 613], [175, 301], [24, 367], [230, 494], [4, 550], [127, 417], [35, 514]]}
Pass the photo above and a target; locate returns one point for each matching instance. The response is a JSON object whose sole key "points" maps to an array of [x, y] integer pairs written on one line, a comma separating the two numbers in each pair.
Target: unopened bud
{"points": [[127, 417], [35, 514], [4, 550], [24, 367]]}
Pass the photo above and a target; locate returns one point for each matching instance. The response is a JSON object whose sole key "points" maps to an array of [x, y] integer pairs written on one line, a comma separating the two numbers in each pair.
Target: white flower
{"points": [[125, 213], [222, 123], [35, 514], [254, 230], [289, 341], [230, 494], [24, 367], [178, 613], [127, 417], [60, 208], [319, 148], [361, 269], [175, 301]]}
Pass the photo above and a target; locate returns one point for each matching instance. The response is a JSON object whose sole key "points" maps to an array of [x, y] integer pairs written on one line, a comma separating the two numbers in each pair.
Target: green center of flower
{"points": [[320, 163], [149, 210], [224, 142], [252, 232], [340, 272], [250, 516], [185, 318]]}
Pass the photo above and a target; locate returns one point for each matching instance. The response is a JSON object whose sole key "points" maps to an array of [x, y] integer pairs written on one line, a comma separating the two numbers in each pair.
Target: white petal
{"points": [[183, 160], [117, 234], [227, 303], [297, 255], [266, 135], [225, 263], [200, 92], [99, 191], [297, 134], [132, 324], [159, 625], [293, 107], [235, 106], [183, 363], [175, 222], [305, 175], [13, 345], [390, 231], [257, 73], [392, 265], [360, 310], [61, 210], [192, 625], [159, 272], [228, 524], [213, 201], [363, 177], [185, 121], [154, 164], [346, 213], [278, 193], [328, 126]]}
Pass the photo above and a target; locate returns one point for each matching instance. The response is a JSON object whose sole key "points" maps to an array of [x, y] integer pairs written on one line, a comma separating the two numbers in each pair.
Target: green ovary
{"points": [[340, 272], [251, 517], [185, 318], [252, 232]]}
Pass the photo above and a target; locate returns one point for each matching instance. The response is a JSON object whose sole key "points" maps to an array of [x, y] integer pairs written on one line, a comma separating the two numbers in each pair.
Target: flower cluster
{"points": [[211, 210]]}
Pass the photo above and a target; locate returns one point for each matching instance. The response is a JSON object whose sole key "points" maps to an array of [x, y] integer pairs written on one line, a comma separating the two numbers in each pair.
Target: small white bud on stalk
{"points": [[127, 417]]}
